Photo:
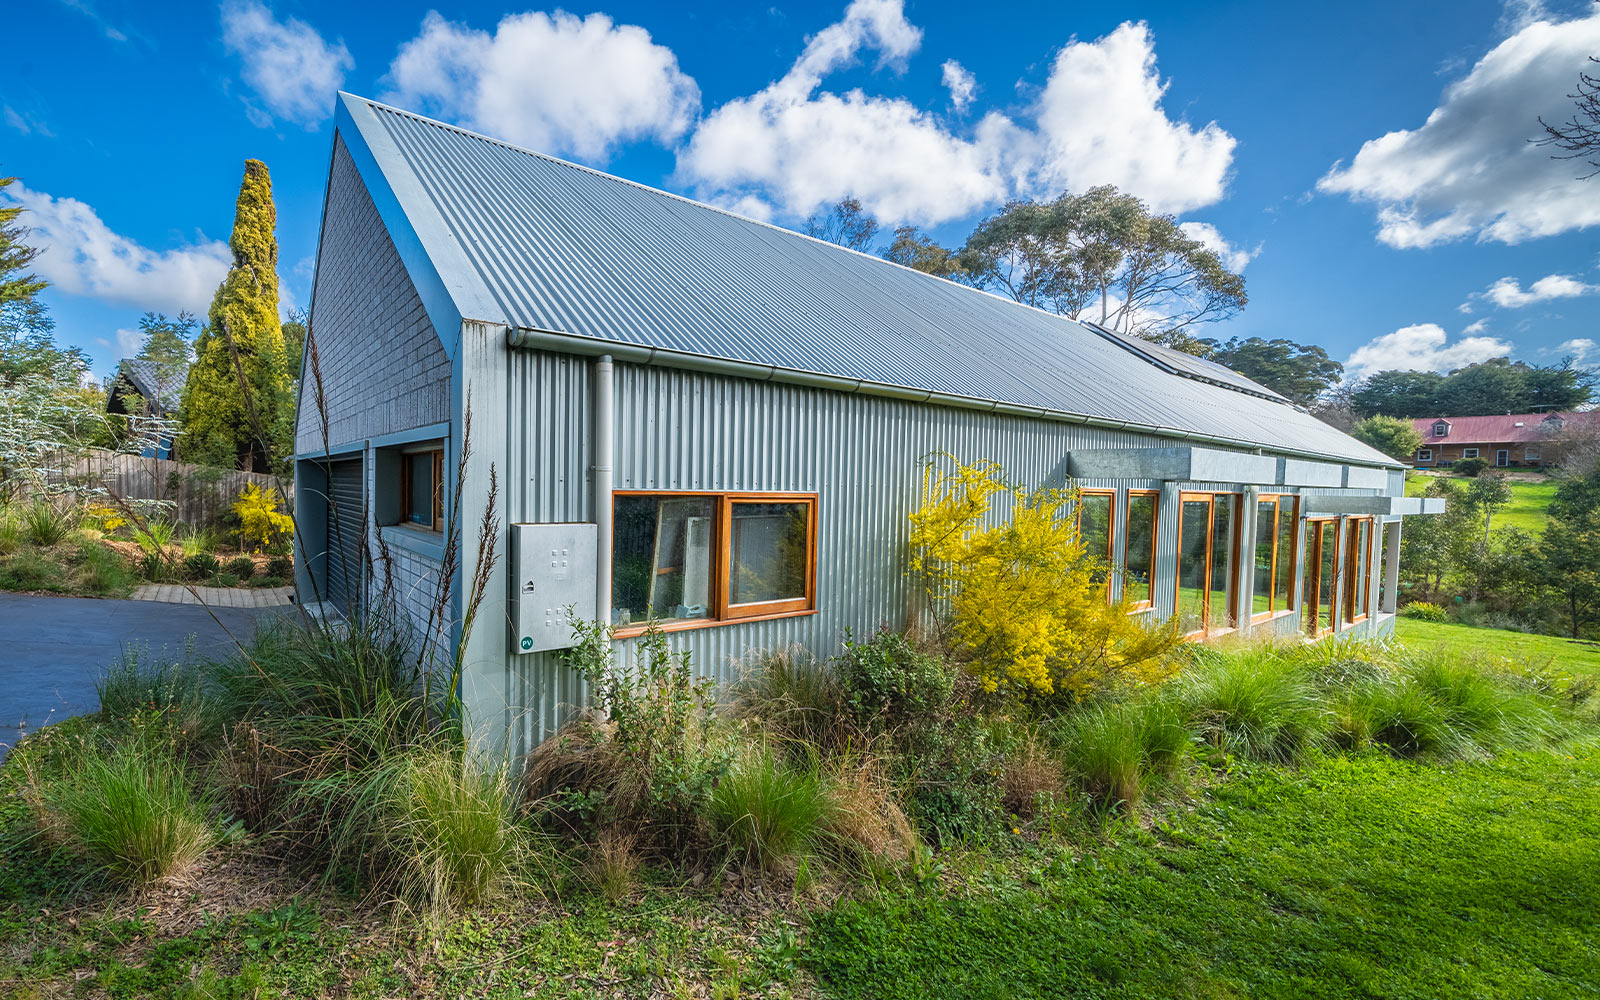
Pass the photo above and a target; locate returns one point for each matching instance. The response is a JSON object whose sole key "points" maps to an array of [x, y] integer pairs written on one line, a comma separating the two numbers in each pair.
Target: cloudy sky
{"points": [[1367, 164]]}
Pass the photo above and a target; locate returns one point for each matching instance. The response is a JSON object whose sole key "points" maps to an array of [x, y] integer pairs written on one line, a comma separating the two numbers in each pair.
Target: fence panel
{"points": [[198, 494]]}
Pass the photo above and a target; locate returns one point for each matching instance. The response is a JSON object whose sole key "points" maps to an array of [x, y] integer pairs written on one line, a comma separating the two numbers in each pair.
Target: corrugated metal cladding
{"points": [[563, 248], [678, 430]]}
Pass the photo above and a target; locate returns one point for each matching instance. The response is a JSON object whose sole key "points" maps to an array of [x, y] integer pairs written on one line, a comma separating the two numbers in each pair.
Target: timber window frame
{"points": [[1230, 580], [1424, 454], [1278, 604], [1109, 555], [412, 459], [1469, 453], [1149, 585], [1359, 532], [723, 605]]}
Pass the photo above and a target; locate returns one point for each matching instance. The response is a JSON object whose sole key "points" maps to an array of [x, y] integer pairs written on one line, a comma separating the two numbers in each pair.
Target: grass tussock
{"points": [[1256, 702], [132, 811], [769, 811]]}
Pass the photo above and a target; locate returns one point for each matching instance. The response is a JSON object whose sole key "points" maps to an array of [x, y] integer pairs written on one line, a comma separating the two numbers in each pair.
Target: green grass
{"points": [[1496, 644], [1527, 510], [1360, 877]]}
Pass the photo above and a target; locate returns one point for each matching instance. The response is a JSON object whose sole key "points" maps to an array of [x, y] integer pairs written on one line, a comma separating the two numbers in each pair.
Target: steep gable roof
{"points": [[535, 243]]}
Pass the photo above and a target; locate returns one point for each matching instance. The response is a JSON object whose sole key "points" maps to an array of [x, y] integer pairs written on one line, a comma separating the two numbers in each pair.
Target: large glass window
{"points": [[706, 558], [1140, 551], [1360, 566], [1095, 526], [1274, 567], [1321, 574], [1206, 548]]}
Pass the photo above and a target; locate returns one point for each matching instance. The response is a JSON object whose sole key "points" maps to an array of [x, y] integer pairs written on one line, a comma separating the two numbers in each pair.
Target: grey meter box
{"points": [[554, 569]]}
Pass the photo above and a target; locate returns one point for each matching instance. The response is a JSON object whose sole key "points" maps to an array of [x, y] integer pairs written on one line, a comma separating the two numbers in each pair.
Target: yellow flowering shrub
{"points": [[107, 517], [262, 525], [1022, 604]]}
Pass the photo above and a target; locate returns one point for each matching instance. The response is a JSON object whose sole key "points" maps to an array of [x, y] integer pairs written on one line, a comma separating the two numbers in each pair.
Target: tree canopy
{"points": [[1498, 385], [238, 403], [846, 223], [1394, 437], [1302, 372]]}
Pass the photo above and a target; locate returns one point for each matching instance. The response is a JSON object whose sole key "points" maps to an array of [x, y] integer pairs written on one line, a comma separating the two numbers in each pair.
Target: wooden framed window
{"points": [[1097, 523], [1208, 549], [1358, 580], [422, 488], [1323, 562], [1424, 454], [1139, 552], [1469, 453], [685, 560], [1275, 554]]}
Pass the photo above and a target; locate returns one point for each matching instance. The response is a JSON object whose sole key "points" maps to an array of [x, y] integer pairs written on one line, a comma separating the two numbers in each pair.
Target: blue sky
{"points": [[1366, 164]]}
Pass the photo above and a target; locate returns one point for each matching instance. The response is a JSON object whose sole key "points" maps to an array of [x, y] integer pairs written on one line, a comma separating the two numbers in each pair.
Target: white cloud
{"points": [[1098, 120], [1577, 349], [81, 255], [961, 84], [1232, 257], [129, 342], [552, 82], [1507, 293], [1422, 347], [1102, 122], [1470, 170], [1475, 327], [291, 68], [1518, 14]]}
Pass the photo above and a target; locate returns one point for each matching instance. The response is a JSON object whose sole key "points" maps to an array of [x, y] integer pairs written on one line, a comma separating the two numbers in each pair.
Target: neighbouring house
{"points": [[1512, 440], [149, 399], [687, 416]]}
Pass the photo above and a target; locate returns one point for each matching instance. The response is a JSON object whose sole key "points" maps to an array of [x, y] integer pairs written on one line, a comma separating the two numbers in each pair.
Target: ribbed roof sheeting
{"points": [[563, 248]]}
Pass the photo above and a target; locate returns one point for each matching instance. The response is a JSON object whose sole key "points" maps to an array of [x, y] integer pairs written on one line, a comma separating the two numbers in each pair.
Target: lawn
{"points": [[1576, 656], [1527, 509]]}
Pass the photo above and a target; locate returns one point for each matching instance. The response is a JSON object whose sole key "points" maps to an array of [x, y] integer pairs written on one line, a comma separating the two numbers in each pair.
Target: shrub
{"points": [[10, 532], [32, 571], [46, 523], [793, 696], [1255, 703], [1424, 611], [227, 580], [1025, 603], [262, 523], [1111, 749], [280, 566], [104, 569], [199, 566], [269, 581], [105, 517], [131, 810], [1469, 466], [887, 679], [768, 811], [242, 567], [865, 824]]}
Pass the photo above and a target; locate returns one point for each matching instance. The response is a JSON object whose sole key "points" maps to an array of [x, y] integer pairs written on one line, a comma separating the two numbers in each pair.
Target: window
{"points": [[1531, 454], [1139, 557], [422, 488], [1441, 429], [1206, 548], [1360, 562], [702, 558], [1274, 569], [1095, 524], [1469, 453], [1424, 454], [1321, 574]]}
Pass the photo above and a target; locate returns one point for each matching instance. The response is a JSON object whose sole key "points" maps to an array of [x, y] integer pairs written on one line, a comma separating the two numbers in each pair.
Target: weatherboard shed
{"points": [[673, 413]]}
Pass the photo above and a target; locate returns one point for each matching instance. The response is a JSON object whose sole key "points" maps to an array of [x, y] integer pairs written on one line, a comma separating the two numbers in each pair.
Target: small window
{"points": [[1139, 553], [422, 489], [1424, 454], [1469, 453], [1441, 429], [1531, 454], [686, 559]]}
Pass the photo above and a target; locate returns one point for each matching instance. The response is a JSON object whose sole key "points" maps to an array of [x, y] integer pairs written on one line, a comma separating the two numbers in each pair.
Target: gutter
{"points": [[529, 338]]}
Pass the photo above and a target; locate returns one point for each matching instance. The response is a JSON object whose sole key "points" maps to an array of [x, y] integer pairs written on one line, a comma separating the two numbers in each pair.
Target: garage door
{"points": [[347, 556]]}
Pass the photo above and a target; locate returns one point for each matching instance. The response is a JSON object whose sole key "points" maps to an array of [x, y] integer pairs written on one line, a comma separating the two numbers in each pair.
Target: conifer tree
{"points": [[237, 405]]}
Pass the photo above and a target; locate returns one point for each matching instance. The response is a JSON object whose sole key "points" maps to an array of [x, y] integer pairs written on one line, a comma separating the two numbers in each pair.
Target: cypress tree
{"points": [[237, 407]]}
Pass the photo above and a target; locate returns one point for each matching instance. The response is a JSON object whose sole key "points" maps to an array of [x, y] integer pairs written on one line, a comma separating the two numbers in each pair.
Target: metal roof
{"points": [[1506, 428], [536, 243]]}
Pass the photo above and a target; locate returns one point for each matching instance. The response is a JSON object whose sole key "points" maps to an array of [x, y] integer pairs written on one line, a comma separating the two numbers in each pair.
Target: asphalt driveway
{"points": [[54, 649]]}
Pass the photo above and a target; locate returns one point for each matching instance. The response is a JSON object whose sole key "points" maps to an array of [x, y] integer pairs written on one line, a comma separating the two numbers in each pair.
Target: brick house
{"points": [[1511, 440]]}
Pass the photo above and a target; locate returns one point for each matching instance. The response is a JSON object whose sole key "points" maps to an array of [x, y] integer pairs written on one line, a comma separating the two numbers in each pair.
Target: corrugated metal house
{"points": [[696, 418]]}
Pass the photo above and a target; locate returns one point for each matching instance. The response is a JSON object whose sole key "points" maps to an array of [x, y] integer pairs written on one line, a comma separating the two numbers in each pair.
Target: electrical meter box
{"points": [[553, 583]]}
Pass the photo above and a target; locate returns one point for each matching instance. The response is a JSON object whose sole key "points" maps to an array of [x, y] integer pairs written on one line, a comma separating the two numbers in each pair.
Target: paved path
{"points": [[216, 597], [54, 649]]}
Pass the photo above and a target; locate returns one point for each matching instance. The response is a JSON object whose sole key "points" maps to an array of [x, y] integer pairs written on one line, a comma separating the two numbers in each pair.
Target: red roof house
{"points": [[1506, 440]]}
